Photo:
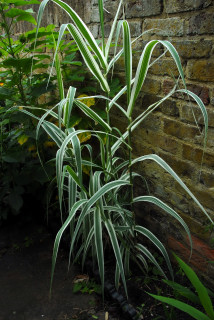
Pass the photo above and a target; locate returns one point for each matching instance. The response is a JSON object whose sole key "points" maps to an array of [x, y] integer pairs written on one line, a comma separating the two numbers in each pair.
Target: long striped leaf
{"points": [[72, 213], [127, 48], [87, 244], [100, 6], [58, 72], [203, 110], [75, 177], [92, 114], [109, 41], [149, 256], [80, 25], [143, 66], [166, 167], [167, 209], [147, 233], [117, 252], [138, 120], [68, 106], [88, 57], [141, 73], [100, 193], [99, 245]]}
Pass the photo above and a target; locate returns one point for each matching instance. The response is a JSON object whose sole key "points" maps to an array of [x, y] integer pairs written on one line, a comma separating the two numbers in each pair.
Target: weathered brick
{"points": [[187, 114], [95, 17], [94, 30], [139, 148], [156, 176], [201, 70], [173, 6], [201, 91], [135, 28], [168, 144], [196, 228], [143, 8], [168, 107], [163, 142], [192, 48], [152, 122], [207, 179], [180, 130], [195, 155], [205, 197], [111, 9], [181, 167], [201, 24], [166, 27], [210, 138], [192, 154], [212, 97], [87, 13], [176, 201], [151, 86], [164, 67], [107, 30]]}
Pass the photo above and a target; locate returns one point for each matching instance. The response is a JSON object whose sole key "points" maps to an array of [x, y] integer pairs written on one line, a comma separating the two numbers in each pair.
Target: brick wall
{"points": [[171, 131]]}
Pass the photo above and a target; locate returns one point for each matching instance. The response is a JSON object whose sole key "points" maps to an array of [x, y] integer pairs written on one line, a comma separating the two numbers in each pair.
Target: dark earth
{"points": [[25, 265]]}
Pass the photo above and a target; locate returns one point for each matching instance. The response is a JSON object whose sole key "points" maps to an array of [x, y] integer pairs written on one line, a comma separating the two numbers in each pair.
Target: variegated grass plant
{"points": [[96, 209]]}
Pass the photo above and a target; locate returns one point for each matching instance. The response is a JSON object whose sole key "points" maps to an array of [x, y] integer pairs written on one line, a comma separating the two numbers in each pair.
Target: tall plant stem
{"points": [[108, 144], [130, 169]]}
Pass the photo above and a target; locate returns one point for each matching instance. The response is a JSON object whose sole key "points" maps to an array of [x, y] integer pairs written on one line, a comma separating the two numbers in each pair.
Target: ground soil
{"points": [[25, 266]]}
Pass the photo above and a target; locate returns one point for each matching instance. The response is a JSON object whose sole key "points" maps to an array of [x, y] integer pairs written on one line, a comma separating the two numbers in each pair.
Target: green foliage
{"points": [[25, 81], [100, 205], [89, 287], [200, 297]]}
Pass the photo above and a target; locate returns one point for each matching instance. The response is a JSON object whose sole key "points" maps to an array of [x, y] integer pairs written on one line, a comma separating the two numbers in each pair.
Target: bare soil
{"points": [[25, 265]]}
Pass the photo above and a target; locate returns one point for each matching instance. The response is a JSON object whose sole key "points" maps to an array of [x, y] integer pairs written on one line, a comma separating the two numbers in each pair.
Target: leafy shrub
{"points": [[25, 81]]}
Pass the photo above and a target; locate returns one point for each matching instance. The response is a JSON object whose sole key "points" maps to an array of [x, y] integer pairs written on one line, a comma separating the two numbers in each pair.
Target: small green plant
{"points": [[200, 297], [89, 287], [100, 206]]}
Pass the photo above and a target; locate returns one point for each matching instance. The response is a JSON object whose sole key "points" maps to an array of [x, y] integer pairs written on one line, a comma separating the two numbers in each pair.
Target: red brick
{"points": [[203, 248], [201, 91], [198, 261]]}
